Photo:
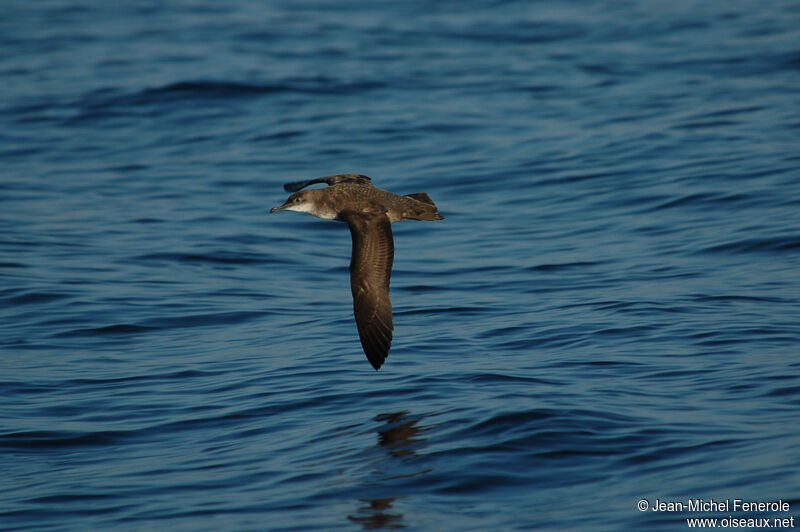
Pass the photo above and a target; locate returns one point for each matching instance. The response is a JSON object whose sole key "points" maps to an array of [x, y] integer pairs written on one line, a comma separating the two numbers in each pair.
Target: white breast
{"points": [[319, 213]]}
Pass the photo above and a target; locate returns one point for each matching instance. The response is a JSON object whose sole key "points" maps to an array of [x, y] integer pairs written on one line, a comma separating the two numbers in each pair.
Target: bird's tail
{"points": [[423, 208]]}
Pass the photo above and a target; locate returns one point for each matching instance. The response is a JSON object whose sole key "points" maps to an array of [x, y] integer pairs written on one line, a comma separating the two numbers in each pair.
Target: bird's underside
{"points": [[368, 212]]}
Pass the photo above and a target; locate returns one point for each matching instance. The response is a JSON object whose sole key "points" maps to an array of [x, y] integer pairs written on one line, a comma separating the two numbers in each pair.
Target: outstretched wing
{"points": [[370, 270], [328, 179]]}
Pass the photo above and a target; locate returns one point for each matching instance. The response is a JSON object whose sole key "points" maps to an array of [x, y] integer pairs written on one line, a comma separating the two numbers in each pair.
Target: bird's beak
{"points": [[279, 207]]}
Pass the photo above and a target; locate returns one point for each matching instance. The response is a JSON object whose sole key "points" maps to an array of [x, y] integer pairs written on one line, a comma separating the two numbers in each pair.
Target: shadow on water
{"points": [[399, 438]]}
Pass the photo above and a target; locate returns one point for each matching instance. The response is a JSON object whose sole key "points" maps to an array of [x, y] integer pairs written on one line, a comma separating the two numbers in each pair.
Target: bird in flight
{"points": [[369, 212]]}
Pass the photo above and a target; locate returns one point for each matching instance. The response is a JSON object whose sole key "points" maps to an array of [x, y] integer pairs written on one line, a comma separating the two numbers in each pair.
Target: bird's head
{"points": [[299, 202]]}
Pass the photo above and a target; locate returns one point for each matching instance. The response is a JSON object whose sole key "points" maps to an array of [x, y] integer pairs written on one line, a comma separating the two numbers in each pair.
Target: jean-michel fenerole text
{"points": [[719, 505]]}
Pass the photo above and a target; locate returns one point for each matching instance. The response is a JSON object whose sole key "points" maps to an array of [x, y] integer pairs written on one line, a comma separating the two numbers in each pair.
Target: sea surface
{"points": [[609, 312]]}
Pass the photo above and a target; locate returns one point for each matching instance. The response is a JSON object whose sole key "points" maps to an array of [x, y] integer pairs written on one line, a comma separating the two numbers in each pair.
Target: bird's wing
{"points": [[370, 270], [328, 179]]}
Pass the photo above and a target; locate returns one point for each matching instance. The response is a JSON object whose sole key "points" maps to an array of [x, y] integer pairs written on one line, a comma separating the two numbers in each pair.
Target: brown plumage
{"points": [[369, 213]]}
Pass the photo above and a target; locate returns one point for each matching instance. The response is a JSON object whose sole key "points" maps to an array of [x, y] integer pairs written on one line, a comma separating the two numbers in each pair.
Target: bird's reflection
{"points": [[398, 433], [400, 436], [375, 514]]}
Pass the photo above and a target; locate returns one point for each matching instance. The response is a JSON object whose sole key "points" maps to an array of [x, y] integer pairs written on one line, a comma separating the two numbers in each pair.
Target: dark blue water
{"points": [[609, 311]]}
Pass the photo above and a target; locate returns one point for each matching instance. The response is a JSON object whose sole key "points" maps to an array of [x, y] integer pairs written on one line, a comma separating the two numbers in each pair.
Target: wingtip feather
{"points": [[294, 186]]}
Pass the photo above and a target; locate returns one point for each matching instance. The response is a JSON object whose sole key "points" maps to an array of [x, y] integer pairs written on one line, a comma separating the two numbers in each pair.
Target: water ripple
{"points": [[608, 312]]}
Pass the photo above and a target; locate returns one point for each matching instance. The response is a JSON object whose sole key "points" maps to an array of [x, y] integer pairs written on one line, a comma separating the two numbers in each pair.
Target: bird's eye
{"points": [[296, 200]]}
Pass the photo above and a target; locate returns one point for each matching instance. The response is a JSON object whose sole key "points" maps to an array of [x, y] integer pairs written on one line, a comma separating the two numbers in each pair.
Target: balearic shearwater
{"points": [[369, 213]]}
